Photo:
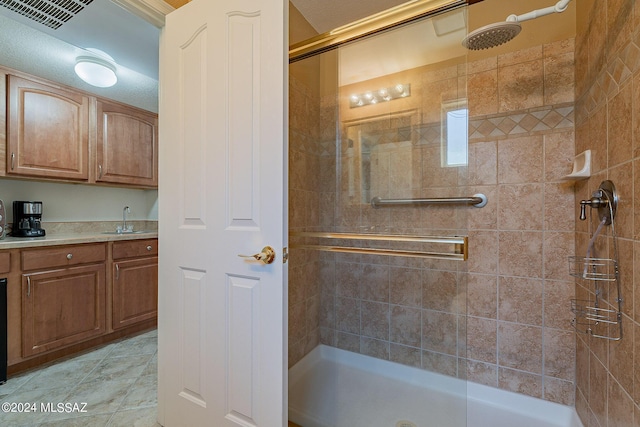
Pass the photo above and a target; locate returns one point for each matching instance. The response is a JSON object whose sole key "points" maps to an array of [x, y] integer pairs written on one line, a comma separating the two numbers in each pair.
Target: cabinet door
{"points": [[62, 307], [127, 151], [47, 131], [135, 291]]}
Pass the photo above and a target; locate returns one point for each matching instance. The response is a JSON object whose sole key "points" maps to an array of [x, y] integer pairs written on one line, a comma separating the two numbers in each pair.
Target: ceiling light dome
{"points": [[98, 68]]}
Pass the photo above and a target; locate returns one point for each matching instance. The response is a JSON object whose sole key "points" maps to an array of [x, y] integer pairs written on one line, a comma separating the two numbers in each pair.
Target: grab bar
{"points": [[477, 201], [460, 244]]}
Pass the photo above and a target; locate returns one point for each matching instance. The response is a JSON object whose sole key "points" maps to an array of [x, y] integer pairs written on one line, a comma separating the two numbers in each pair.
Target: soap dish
{"points": [[581, 167]]}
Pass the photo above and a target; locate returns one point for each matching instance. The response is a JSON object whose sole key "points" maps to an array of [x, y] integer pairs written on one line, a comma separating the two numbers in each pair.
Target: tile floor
{"points": [[118, 383]]}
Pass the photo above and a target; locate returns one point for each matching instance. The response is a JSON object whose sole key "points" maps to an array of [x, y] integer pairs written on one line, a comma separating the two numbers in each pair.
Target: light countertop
{"points": [[76, 233]]}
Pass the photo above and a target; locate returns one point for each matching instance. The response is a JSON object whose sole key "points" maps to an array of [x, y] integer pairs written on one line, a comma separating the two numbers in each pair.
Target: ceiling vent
{"points": [[52, 13]]}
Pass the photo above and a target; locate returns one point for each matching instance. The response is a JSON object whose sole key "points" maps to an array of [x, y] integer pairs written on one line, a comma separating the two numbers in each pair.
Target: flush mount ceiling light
{"points": [[98, 69]]}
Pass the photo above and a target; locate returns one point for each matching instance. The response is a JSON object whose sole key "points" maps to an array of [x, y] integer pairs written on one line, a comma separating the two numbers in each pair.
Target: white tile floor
{"points": [[118, 383]]}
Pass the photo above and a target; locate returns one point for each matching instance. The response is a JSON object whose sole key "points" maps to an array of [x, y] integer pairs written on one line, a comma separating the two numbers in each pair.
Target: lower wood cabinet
{"points": [[68, 298], [62, 307], [135, 282], [135, 291]]}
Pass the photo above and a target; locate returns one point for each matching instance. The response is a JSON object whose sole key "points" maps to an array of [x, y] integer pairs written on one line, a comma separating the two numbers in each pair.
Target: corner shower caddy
{"points": [[601, 314]]}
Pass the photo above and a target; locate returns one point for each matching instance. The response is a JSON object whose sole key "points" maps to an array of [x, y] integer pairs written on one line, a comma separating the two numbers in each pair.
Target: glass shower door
{"points": [[377, 283]]}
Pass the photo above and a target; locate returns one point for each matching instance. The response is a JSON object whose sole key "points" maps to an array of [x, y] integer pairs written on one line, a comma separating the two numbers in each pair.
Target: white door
{"points": [[222, 318]]}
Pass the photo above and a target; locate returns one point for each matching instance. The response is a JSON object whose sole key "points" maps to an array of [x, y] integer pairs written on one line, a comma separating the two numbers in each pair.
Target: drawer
{"points": [[63, 256], [135, 248], [5, 262]]}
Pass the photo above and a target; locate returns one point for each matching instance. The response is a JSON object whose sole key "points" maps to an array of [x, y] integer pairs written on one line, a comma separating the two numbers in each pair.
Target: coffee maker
{"points": [[27, 218]]}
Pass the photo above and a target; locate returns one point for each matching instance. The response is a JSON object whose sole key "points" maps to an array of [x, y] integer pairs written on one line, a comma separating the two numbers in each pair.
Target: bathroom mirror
{"points": [[378, 157]]}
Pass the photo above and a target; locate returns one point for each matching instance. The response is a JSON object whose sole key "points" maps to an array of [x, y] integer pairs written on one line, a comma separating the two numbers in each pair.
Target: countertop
{"points": [[76, 233]]}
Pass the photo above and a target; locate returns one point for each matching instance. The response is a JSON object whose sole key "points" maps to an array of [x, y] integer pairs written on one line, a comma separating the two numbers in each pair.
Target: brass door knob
{"points": [[266, 256]]}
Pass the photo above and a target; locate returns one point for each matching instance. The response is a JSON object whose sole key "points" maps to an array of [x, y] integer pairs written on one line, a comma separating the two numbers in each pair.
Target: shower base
{"points": [[335, 388]]}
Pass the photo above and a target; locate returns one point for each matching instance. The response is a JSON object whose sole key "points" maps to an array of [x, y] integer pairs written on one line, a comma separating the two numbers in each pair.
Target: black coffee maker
{"points": [[27, 218]]}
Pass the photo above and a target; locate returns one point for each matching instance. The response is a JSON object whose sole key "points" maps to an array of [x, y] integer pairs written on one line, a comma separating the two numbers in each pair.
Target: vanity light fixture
{"points": [[98, 69], [381, 95]]}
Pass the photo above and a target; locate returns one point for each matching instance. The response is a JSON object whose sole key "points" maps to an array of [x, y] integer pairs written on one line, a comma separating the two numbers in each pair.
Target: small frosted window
{"points": [[455, 147]]}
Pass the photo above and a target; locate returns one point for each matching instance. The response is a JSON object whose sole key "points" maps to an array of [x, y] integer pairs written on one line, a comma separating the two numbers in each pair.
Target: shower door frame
{"points": [[385, 20]]}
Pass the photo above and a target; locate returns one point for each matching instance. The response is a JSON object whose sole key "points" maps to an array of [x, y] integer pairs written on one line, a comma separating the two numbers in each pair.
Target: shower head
{"points": [[491, 35]]}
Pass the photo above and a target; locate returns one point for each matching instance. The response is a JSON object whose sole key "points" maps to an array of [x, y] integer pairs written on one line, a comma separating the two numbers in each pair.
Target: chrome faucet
{"points": [[125, 211]]}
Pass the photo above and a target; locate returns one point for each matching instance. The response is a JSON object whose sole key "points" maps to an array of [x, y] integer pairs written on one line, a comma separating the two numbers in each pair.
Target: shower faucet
{"points": [[605, 199], [596, 201]]}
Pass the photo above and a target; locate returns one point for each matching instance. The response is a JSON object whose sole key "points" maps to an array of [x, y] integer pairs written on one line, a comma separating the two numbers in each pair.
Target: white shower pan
{"points": [[335, 388]]}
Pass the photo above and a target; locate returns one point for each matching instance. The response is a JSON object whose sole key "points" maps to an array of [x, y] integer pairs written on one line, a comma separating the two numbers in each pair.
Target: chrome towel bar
{"points": [[477, 201]]}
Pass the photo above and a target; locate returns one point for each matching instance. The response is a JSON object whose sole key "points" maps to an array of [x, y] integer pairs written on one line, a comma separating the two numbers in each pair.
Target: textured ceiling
{"points": [[327, 15], [34, 52]]}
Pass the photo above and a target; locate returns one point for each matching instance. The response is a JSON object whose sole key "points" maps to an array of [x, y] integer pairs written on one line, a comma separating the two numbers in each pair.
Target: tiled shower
{"points": [[503, 317]]}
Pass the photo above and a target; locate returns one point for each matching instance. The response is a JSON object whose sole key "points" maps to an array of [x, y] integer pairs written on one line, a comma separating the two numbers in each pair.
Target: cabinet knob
{"points": [[69, 256], [149, 248]]}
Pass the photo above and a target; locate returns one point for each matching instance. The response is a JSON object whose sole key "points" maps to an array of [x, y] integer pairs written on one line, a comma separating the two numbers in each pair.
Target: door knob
{"points": [[266, 256]]}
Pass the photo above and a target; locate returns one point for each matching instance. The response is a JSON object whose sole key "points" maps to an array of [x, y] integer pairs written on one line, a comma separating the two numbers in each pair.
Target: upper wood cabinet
{"points": [[127, 145], [47, 131]]}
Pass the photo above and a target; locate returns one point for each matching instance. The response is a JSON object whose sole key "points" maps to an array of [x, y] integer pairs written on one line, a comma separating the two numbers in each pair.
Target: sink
{"points": [[127, 232]]}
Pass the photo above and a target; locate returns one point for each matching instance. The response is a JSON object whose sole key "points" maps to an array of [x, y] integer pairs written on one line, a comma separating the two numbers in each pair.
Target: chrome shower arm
{"points": [[559, 7]]}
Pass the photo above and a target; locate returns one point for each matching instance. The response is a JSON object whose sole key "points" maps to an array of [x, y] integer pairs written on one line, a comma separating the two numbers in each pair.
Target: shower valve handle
{"points": [[596, 201]]}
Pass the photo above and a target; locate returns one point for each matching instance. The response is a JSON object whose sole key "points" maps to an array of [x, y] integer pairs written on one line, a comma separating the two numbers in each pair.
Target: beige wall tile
{"points": [[440, 363], [559, 207], [482, 168], [374, 283], [520, 382], [622, 177], [439, 291], [482, 339], [619, 24], [439, 332], [482, 373], [559, 358], [520, 86], [482, 295], [598, 390], [559, 80], [406, 326], [557, 296], [409, 356], [520, 207], [620, 146], [619, 406], [559, 391], [520, 253], [348, 315], [375, 320], [482, 88], [598, 139], [582, 379], [559, 150], [520, 347], [520, 160], [374, 348], [406, 286], [520, 300], [483, 252], [557, 246]]}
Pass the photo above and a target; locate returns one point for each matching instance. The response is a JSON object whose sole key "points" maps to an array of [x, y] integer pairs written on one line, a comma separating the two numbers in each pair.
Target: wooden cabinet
{"points": [[63, 298], [127, 145], [52, 132], [69, 298], [135, 282], [47, 131]]}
